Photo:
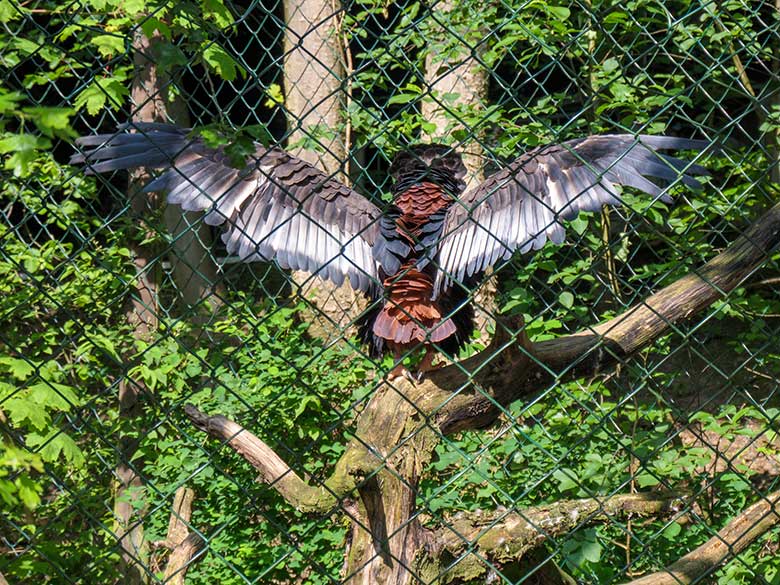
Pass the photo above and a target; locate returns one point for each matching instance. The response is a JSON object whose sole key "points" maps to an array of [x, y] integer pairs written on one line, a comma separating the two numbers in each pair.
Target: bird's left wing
{"points": [[278, 207], [520, 207]]}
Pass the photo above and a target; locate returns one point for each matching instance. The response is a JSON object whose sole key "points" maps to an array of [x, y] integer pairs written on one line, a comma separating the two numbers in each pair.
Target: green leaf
{"points": [[646, 480], [101, 91], [133, 7], [402, 98], [53, 396], [151, 24], [583, 547], [580, 223], [56, 445], [9, 101], [218, 12], [224, 65], [22, 410], [109, 45], [29, 491], [558, 12], [8, 492], [566, 299], [10, 11], [671, 531], [275, 96], [24, 148], [51, 121], [21, 143], [19, 368], [567, 479], [591, 551], [168, 56]]}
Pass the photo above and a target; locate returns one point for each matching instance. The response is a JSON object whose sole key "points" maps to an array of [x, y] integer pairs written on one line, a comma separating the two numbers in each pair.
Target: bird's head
{"points": [[429, 162]]}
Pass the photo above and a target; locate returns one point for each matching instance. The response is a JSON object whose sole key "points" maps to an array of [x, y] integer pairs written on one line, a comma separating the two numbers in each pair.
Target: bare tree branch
{"points": [[481, 540], [721, 548], [181, 513], [183, 544], [274, 471], [655, 316], [182, 557]]}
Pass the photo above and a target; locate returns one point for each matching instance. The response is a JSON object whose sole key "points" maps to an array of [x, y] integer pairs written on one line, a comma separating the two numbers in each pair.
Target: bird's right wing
{"points": [[278, 207], [521, 207]]}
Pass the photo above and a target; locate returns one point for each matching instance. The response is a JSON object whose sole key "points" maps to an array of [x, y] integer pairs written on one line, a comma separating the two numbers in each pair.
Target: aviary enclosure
{"points": [[169, 414]]}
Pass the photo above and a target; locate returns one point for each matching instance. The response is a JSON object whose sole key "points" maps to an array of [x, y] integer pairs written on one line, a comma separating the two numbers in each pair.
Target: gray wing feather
{"points": [[277, 208], [521, 207]]}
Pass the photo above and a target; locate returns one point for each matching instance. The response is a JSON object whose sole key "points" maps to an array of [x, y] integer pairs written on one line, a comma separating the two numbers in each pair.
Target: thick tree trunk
{"points": [[194, 274], [773, 135], [192, 265], [457, 84], [313, 78], [314, 99], [375, 482]]}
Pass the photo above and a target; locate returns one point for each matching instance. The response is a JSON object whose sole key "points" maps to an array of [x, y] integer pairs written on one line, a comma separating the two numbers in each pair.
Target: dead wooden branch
{"points": [[502, 379], [182, 557], [482, 541], [275, 472], [721, 548], [181, 513], [183, 544]]}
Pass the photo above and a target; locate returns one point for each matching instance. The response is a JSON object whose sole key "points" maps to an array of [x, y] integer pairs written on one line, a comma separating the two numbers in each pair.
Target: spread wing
{"points": [[277, 208], [521, 207]]}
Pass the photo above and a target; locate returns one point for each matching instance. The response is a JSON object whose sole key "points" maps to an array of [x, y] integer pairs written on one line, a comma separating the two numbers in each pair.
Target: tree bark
{"points": [[738, 534], [503, 537], [193, 267], [375, 483], [457, 84], [313, 82], [183, 544], [194, 273]]}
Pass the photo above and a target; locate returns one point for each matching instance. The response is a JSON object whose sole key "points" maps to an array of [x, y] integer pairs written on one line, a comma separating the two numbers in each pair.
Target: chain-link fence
{"points": [[611, 417]]}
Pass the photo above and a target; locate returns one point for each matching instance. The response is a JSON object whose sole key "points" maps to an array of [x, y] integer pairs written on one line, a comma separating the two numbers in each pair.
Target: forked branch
{"points": [[185, 546], [403, 422]]}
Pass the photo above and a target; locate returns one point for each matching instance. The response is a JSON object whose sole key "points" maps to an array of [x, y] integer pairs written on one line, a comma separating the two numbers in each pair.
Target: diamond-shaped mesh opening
{"points": [[178, 407]]}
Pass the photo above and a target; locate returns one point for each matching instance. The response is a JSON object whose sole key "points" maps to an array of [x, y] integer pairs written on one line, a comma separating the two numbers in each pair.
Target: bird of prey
{"points": [[418, 257]]}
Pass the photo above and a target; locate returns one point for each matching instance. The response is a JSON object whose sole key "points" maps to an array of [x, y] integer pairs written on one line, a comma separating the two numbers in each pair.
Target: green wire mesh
{"points": [[116, 312]]}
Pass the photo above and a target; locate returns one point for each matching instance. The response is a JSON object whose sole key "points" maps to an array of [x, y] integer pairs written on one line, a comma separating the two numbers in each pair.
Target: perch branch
{"points": [[181, 513], [727, 544], [184, 545], [511, 367], [648, 320], [501, 538], [274, 471]]}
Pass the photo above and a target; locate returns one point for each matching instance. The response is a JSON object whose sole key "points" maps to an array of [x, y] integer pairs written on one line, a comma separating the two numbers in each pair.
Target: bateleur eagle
{"points": [[420, 255]]}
